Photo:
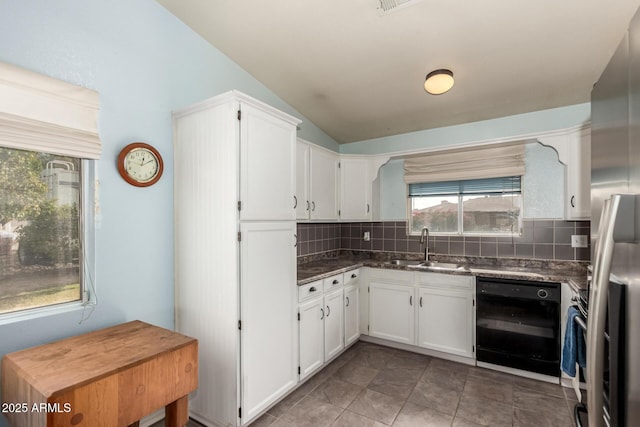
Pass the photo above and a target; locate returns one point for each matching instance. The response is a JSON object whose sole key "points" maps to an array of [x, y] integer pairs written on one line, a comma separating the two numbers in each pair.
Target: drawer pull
{"points": [[312, 289], [354, 275], [335, 282], [347, 301], [322, 311], [328, 311]]}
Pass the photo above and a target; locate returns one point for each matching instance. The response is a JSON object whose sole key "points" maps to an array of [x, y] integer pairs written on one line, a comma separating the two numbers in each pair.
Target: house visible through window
{"points": [[490, 206], [40, 229]]}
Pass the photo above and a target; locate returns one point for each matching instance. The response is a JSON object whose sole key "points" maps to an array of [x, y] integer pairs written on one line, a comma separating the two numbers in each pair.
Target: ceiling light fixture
{"points": [[438, 81]]}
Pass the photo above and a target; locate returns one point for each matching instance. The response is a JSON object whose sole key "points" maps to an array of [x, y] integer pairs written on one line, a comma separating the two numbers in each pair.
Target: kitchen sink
{"points": [[404, 262], [435, 265]]}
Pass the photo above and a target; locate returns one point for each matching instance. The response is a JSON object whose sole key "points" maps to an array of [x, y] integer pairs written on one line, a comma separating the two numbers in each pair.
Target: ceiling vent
{"points": [[388, 6]]}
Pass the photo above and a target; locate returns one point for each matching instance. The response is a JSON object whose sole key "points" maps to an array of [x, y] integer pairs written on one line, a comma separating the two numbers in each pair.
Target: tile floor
{"points": [[376, 386], [371, 385]]}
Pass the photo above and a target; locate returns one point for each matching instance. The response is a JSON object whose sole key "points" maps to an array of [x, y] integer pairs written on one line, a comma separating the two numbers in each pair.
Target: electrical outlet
{"points": [[579, 241], [367, 236]]}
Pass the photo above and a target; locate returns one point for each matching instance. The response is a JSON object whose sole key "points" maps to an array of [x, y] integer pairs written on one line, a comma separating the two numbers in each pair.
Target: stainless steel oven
{"points": [[518, 324]]}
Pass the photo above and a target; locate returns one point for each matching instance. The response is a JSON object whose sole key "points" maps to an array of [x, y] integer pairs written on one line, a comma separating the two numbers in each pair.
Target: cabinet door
{"points": [[303, 204], [445, 321], [311, 333], [351, 314], [323, 183], [268, 311], [578, 198], [391, 312], [355, 189], [333, 324], [267, 166]]}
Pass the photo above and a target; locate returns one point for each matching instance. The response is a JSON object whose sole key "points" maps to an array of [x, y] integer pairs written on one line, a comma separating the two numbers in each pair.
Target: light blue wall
{"points": [[144, 63], [486, 130], [543, 186]]}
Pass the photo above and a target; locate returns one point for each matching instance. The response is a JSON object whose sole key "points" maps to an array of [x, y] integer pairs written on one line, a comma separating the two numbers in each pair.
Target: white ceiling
{"points": [[358, 75]]}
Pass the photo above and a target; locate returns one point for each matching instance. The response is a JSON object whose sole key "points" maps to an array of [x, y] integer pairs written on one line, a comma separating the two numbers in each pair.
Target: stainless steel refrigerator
{"points": [[613, 327]]}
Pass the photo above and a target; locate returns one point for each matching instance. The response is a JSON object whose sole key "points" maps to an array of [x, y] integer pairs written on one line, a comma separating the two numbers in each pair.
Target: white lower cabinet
{"points": [[445, 321], [391, 312], [333, 324], [351, 314], [327, 312], [429, 310]]}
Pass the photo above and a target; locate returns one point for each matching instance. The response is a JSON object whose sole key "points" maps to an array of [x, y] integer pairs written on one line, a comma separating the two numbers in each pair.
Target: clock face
{"points": [[140, 164]]}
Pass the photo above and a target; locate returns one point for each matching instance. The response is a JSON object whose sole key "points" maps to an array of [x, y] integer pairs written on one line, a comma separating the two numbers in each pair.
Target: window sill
{"points": [[35, 313]]}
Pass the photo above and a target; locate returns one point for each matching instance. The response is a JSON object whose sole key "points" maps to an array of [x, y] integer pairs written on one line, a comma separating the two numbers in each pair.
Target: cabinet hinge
{"points": [[239, 205], [240, 324], [239, 114], [240, 412], [239, 236], [298, 370]]}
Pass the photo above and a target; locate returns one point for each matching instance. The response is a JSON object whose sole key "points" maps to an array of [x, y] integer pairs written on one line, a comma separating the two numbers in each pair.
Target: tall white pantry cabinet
{"points": [[235, 258]]}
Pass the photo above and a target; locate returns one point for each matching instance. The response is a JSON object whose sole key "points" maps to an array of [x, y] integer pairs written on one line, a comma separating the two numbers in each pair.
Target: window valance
{"points": [[40, 113], [479, 163]]}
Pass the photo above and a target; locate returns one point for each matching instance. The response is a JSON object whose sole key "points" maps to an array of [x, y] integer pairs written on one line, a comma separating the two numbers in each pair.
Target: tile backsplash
{"points": [[541, 239]]}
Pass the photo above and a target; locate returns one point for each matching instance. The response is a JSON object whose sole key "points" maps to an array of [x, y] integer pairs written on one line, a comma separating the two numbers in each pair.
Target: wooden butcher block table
{"points": [[110, 377]]}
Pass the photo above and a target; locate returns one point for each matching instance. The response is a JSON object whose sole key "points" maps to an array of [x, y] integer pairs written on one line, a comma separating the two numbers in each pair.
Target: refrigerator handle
{"points": [[617, 225]]}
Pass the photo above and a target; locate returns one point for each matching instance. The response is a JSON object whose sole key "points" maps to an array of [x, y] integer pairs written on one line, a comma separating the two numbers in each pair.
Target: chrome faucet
{"points": [[424, 240]]}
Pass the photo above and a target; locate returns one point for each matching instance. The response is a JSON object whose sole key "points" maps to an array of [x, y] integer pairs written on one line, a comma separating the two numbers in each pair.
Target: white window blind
{"points": [[40, 113], [468, 164]]}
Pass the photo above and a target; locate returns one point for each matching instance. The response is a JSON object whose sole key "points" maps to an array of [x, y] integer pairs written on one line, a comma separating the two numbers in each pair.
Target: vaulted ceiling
{"points": [[358, 73]]}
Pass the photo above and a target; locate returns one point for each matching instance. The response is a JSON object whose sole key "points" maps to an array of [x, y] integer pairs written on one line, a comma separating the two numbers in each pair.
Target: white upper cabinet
{"points": [[355, 189], [317, 188], [578, 200], [267, 166], [303, 202], [574, 151]]}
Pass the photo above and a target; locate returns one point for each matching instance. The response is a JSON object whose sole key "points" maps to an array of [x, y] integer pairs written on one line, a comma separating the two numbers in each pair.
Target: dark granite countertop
{"points": [[574, 273]]}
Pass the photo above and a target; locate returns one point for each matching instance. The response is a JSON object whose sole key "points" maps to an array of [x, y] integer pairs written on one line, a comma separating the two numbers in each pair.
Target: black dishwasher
{"points": [[518, 324]]}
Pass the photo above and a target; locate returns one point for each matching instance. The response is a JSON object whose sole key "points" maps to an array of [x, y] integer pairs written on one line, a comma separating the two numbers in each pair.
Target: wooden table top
{"points": [[73, 362]]}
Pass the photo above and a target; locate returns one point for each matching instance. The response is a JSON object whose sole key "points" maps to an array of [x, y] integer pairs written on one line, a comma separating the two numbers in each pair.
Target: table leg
{"points": [[176, 413]]}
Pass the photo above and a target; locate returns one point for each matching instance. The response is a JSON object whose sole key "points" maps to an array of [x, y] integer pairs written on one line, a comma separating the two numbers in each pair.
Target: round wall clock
{"points": [[140, 164]]}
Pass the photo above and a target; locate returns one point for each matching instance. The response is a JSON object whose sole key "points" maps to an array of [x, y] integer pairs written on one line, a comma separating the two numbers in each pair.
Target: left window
{"points": [[40, 230], [49, 144]]}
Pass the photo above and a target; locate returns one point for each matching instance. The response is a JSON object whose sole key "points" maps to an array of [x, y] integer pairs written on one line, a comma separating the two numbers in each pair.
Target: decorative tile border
{"points": [[541, 239]]}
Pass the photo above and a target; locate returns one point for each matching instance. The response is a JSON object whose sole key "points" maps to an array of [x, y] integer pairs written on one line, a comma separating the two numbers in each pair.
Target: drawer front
{"points": [[332, 282], [445, 281], [309, 290], [351, 276]]}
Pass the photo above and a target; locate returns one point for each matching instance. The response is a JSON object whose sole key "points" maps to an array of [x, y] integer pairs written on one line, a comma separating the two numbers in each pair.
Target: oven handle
{"points": [[580, 321]]}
